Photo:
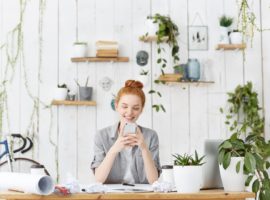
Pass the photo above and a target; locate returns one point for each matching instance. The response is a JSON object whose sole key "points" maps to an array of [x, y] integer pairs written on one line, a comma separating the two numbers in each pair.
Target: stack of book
{"points": [[107, 49]]}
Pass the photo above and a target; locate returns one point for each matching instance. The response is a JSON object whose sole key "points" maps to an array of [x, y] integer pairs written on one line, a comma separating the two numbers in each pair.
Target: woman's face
{"points": [[129, 108]]}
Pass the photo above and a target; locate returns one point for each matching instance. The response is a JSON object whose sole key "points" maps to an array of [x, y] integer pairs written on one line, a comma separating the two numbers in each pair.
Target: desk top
{"points": [[202, 195]]}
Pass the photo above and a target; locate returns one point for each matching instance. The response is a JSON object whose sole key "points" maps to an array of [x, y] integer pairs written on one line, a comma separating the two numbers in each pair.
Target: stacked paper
{"points": [[107, 48]]}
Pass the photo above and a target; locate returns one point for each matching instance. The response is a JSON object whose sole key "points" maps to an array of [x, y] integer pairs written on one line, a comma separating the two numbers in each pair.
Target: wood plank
{"points": [[230, 46], [97, 59], [152, 38], [202, 195], [73, 103]]}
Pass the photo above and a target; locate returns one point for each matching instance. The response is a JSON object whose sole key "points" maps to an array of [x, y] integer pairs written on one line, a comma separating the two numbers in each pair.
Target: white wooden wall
{"points": [[192, 111]]}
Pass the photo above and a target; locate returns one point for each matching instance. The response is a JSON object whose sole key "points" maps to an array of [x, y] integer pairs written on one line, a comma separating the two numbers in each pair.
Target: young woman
{"points": [[124, 157]]}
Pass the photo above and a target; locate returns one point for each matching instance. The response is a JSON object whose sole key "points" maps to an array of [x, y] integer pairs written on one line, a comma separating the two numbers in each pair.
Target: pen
{"points": [[128, 184]]}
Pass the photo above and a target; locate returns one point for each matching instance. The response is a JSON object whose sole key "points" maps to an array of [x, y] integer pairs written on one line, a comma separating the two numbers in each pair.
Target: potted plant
{"points": [[187, 172], [244, 120], [60, 93], [79, 49], [166, 28], [224, 22], [143, 77]]}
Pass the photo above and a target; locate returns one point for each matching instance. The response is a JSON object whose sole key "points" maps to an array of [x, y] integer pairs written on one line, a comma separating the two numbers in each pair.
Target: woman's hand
{"points": [[136, 139]]}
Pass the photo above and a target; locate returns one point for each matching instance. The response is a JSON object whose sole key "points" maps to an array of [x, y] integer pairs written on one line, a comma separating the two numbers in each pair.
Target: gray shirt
{"points": [[105, 138]]}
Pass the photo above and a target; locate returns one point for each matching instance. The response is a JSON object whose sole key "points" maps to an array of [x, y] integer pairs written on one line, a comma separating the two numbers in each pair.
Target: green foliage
{"points": [[244, 121], [166, 29], [187, 160], [62, 85], [225, 21]]}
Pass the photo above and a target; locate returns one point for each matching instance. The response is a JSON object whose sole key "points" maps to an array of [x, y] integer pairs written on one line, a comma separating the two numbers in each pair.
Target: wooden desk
{"points": [[202, 195]]}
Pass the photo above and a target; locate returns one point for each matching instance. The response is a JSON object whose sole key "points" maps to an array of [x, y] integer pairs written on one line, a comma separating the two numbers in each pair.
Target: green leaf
{"points": [[250, 162], [159, 94], [226, 145], [255, 186], [226, 160], [162, 108], [238, 166], [159, 50], [267, 164], [152, 91], [247, 182], [159, 60], [221, 110], [221, 156]]}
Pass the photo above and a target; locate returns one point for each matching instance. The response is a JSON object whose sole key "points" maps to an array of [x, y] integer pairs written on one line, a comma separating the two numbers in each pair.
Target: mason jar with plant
{"points": [[224, 22], [187, 172], [169, 30], [245, 122]]}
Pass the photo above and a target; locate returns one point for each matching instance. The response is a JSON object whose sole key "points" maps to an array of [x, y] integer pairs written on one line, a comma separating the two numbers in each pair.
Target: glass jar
{"points": [[167, 173], [193, 69]]}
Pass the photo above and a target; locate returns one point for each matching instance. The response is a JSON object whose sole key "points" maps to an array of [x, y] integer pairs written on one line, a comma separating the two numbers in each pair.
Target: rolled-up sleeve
{"points": [[154, 149], [99, 151]]}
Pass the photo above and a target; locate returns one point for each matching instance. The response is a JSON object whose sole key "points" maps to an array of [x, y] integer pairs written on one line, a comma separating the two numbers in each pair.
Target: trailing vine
{"points": [[14, 52]]}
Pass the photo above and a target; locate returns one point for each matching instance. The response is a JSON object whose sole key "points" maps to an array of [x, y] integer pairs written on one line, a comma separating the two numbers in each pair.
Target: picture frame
{"points": [[198, 38]]}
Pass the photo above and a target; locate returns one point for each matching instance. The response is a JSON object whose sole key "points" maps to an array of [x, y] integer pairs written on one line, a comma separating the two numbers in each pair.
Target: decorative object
{"points": [[60, 93], [244, 120], [105, 83], [193, 69], [167, 174], [236, 37], [142, 58], [188, 172], [198, 38], [224, 22], [113, 102], [79, 49], [85, 93]]}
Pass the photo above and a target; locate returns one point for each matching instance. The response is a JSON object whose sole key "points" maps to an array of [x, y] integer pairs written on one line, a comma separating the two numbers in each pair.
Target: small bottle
{"points": [[37, 170], [167, 173]]}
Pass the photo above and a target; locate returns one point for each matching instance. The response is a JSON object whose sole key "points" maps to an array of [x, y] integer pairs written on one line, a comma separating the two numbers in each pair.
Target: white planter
{"points": [[236, 38], [79, 50], [224, 37], [144, 79], [60, 93], [151, 28], [187, 179], [233, 181]]}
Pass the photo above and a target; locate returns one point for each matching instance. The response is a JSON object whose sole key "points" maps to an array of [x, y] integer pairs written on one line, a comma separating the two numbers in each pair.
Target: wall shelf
{"points": [[73, 103], [152, 38], [100, 59], [230, 46], [189, 82]]}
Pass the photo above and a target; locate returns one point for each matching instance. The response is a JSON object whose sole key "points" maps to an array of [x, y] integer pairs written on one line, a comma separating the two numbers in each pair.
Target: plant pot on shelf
{"points": [[236, 37], [80, 49], [224, 36], [231, 180], [151, 28], [60, 93], [85, 93]]}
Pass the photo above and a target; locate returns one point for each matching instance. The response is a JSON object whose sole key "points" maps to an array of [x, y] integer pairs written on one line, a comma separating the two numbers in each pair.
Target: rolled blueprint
{"points": [[31, 183]]}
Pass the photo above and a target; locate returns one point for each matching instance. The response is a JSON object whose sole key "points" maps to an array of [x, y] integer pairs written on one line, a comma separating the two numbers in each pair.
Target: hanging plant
{"points": [[167, 33]]}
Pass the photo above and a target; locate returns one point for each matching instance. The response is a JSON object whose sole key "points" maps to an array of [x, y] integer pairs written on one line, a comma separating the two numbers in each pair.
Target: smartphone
{"points": [[130, 128]]}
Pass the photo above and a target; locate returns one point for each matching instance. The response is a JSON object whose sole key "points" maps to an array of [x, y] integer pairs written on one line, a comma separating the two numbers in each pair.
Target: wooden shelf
{"points": [[99, 59], [230, 46], [189, 82], [73, 103], [152, 38]]}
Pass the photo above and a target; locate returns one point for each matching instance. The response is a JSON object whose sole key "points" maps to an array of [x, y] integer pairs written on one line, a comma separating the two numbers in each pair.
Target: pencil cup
{"points": [[85, 93]]}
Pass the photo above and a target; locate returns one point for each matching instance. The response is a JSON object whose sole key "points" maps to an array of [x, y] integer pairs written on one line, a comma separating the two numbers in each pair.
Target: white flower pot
{"points": [[233, 181], [236, 38], [224, 37], [79, 50], [60, 93], [144, 79], [151, 28], [187, 179]]}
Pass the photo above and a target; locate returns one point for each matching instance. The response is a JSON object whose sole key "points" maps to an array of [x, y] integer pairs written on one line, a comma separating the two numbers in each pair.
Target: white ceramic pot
{"points": [[60, 93], [80, 50], [187, 179], [151, 28], [236, 38], [233, 181], [224, 37]]}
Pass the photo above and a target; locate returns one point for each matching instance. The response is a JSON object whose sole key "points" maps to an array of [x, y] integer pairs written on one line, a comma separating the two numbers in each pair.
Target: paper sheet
{"points": [[37, 184]]}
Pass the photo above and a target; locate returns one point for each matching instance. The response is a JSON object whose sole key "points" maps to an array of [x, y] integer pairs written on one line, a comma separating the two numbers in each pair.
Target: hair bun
{"points": [[133, 84]]}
